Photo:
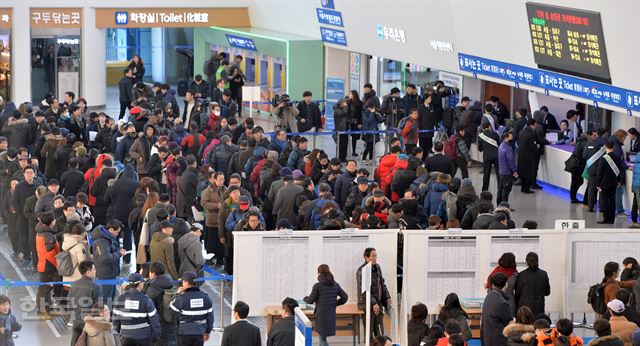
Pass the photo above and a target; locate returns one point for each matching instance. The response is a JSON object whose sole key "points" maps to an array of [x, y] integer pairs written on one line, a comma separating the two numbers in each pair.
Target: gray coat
{"points": [[495, 316], [190, 251], [285, 201]]}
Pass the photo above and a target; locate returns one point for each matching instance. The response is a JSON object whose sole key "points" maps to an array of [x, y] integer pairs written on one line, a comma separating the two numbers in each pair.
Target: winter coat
{"points": [[47, 248], [61, 158], [120, 194], [211, 201], [432, 201], [483, 221], [187, 183], [6, 338], [78, 247], [383, 170], [527, 150], [99, 331], [141, 151], [221, 157], [123, 147], [495, 317], [622, 328], [506, 159], [517, 333], [341, 117], [379, 292], [161, 250], [439, 163], [323, 295], [285, 202], [370, 98], [190, 251], [106, 253], [47, 152], [609, 340], [18, 132], [531, 288], [70, 182], [489, 151], [99, 190], [426, 119], [311, 113], [343, 185], [370, 122], [416, 331]]}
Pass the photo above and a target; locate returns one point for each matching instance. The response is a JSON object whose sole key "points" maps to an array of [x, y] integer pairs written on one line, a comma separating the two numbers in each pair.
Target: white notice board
{"points": [[269, 267]]}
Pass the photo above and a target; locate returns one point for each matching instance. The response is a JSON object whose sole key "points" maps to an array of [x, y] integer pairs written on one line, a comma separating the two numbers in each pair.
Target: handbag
{"points": [[141, 251], [570, 164]]}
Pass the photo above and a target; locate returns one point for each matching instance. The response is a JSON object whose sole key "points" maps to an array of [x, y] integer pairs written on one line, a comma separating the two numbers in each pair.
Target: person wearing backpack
{"points": [[610, 283], [160, 289], [75, 248], [456, 148], [190, 251], [409, 130], [84, 293]]}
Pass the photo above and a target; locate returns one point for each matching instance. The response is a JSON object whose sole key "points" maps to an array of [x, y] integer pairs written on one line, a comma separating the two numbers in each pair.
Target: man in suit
{"points": [[608, 179], [282, 333], [241, 332], [488, 143], [439, 162]]}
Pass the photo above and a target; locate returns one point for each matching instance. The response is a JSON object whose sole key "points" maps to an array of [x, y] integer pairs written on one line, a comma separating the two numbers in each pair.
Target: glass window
{"points": [[391, 76]]}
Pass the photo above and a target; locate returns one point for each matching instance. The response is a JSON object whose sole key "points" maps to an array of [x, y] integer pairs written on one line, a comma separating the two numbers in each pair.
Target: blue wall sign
{"points": [[122, 18], [241, 42], [586, 89], [333, 36], [335, 91], [329, 17], [327, 4]]}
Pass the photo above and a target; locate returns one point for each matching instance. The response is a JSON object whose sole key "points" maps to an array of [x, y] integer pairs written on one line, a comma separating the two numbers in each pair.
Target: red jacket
{"points": [[386, 164], [388, 178], [47, 248], [410, 131], [92, 174], [506, 271]]}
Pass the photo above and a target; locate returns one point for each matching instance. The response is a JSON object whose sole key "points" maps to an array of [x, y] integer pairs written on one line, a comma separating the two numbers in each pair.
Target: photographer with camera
{"points": [[143, 96], [393, 107], [309, 114], [286, 113], [440, 92]]}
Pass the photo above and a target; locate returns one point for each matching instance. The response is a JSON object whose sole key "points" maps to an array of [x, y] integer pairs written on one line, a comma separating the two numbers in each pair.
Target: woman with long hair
{"points": [[327, 295], [610, 281], [532, 286], [631, 269], [137, 67], [453, 310], [355, 111], [517, 333]]}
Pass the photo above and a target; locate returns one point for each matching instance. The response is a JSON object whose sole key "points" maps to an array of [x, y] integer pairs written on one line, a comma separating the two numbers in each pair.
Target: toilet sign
{"points": [[570, 224]]}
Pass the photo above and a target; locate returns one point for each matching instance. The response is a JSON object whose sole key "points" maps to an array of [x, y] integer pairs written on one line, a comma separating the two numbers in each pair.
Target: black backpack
{"points": [[595, 298]]}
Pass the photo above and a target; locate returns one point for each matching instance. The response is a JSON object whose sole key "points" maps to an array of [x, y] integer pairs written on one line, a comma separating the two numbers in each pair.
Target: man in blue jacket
{"points": [[194, 312], [134, 315], [107, 253], [507, 167]]}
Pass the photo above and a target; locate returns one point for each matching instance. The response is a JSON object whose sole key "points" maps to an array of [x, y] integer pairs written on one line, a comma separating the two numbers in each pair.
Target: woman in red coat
{"points": [[506, 265]]}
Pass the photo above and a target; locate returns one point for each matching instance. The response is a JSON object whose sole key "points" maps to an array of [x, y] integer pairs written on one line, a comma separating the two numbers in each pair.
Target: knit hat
{"points": [[284, 224], [285, 171], [467, 182], [135, 110], [136, 278], [297, 174], [244, 203], [403, 157]]}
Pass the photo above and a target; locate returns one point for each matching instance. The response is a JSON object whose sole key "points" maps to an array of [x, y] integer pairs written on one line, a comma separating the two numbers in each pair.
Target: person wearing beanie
{"points": [[283, 224]]}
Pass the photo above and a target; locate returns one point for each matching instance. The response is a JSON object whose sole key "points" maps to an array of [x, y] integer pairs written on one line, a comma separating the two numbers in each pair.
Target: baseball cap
{"points": [[136, 278], [616, 306], [53, 182], [244, 203], [23, 157], [378, 193], [465, 99], [189, 277], [135, 110], [197, 226]]}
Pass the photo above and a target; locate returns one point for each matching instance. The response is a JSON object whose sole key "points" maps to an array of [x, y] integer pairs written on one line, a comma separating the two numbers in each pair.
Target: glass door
{"points": [[5, 64], [68, 65], [43, 67]]}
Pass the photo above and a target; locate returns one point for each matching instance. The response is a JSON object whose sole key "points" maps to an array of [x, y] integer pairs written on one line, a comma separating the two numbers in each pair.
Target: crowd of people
{"points": [[163, 181]]}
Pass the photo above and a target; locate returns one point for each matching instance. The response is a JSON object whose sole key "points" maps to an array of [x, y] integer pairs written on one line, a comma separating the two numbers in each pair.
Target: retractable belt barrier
{"points": [[268, 103], [214, 276], [360, 132]]}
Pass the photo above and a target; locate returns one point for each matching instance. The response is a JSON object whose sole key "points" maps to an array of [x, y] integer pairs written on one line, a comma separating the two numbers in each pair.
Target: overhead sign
{"points": [[586, 89], [568, 40], [335, 91], [241, 42], [570, 224], [389, 33], [327, 4], [329, 17], [450, 79], [6, 18], [171, 17], [333, 36], [56, 18]]}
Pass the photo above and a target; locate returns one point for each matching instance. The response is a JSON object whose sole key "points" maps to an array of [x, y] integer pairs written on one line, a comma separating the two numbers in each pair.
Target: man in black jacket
{"points": [[380, 296], [488, 142], [282, 333], [578, 166], [309, 115], [24, 190], [160, 282], [83, 295], [125, 86], [345, 182], [241, 332], [427, 121], [439, 162], [610, 176]]}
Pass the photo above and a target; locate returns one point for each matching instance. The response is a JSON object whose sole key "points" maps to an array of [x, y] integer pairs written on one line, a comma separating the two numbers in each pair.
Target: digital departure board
{"points": [[569, 41]]}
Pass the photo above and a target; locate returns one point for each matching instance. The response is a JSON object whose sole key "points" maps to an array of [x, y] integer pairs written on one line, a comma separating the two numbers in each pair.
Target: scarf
{"points": [[6, 321]]}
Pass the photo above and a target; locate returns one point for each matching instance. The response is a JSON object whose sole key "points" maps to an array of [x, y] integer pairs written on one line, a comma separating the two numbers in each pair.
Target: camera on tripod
{"points": [[278, 99]]}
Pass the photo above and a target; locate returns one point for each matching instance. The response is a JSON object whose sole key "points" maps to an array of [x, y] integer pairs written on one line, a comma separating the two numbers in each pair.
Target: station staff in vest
{"points": [[134, 315], [488, 143], [609, 177], [194, 312]]}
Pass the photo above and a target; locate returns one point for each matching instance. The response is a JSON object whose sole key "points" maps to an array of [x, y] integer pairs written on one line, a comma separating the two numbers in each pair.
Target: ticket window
{"points": [[264, 72], [5, 64], [250, 70]]}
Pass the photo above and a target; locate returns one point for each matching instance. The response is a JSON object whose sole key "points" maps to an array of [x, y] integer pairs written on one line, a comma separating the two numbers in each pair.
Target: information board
{"points": [[520, 246], [568, 40], [335, 91], [582, 88]]}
